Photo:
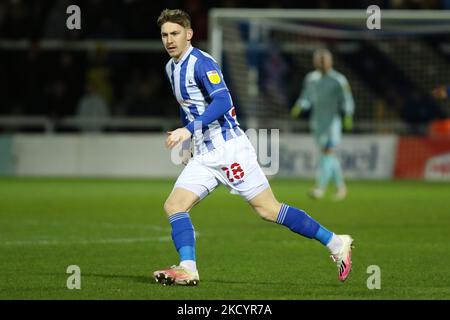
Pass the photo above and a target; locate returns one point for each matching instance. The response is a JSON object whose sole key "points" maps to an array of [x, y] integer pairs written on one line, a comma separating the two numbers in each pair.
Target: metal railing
{"points": [[48, 125], [17, 124]]}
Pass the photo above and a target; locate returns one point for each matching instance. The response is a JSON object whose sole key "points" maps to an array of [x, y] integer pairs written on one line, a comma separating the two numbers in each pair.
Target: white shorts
{"points": [[233, 164]]}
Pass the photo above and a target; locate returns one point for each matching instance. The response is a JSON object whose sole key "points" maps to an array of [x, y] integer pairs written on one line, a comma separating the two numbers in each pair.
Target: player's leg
{"points": [[330, 169], [180, 200], [253, 185], [298, 221], [194, 183], [177, 206], [324, 174], [338, 178], [337, 175], [324, 167]]}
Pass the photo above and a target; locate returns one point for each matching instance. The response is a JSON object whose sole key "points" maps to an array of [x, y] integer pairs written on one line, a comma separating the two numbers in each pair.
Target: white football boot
{"points": [[343, 258]]}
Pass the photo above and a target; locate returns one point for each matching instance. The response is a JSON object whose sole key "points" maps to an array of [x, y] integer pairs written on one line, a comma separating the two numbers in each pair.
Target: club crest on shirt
{"points": [[213, 76]]}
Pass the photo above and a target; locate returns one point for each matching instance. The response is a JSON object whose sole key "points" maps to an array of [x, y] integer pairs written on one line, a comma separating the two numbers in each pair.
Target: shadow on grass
{"points": [[223, 281], [274, 284], [150, 280], [134, 278]]}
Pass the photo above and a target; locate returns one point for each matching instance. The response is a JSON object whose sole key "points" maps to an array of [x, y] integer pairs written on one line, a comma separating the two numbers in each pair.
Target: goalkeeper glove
{"points": [[296, 110], [348, 122]]}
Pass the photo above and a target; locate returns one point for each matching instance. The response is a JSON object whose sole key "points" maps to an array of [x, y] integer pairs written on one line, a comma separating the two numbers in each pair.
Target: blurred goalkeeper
{"points": [[327, 93]]}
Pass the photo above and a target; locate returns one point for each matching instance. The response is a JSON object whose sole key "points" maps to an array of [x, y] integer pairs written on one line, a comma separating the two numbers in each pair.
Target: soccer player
{"points": [[222, 154], [328, 94]]}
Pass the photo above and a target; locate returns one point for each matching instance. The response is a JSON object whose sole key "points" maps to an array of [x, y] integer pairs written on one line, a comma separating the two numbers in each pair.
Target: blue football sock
{"points": [[183, 235], [323, 235], [300, 222]]}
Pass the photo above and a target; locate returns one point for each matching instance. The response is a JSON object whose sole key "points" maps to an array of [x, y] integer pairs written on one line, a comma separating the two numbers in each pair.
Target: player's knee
{"points": [[268, 213], [172, 206]]}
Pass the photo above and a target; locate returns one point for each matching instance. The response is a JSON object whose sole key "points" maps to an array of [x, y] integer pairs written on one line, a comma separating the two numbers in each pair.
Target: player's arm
{"points": [[186, 145], [441, 92], [220, 104], [303, 102], [348, 104], [209, 77], [178, 135]]}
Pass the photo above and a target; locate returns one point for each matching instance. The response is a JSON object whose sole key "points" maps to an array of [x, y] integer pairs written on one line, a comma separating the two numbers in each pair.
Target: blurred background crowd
{"points": [[59, 83]]}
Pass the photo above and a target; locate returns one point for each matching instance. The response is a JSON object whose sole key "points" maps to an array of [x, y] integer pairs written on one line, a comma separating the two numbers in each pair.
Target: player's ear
{"points": [[190, 34]]}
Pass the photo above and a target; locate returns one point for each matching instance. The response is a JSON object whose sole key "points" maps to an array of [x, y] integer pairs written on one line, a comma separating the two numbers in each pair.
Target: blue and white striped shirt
{"points": [[196, 81]]}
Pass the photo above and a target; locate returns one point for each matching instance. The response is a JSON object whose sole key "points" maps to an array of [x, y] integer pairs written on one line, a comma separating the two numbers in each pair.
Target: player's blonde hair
{"points": [[175, 16]]}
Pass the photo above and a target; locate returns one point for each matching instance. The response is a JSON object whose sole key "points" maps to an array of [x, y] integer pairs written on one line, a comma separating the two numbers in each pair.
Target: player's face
{"points": [[323, 62], [176, 39]]}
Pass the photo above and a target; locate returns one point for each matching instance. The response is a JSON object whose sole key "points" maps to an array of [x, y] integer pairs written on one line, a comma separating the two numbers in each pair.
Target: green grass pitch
{"points": [[116, 232]]}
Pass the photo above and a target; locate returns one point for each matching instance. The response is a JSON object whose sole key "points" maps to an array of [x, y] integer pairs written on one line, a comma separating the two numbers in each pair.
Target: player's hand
{"points": [[177, 136], [440, 92], [296, 110], [186, 156], [348, 123]]}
